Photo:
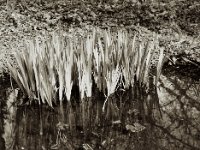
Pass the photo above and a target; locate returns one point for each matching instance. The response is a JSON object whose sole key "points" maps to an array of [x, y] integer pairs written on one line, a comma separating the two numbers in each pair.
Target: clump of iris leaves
{"points": [[47, 69]]}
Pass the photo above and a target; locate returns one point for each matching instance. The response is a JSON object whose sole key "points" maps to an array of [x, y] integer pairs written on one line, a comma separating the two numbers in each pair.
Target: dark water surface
{"points": [[167, 118]]}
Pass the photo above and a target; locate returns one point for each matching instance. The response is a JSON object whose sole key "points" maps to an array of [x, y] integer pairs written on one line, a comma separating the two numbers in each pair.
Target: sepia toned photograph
{"points": [[99, 74]]}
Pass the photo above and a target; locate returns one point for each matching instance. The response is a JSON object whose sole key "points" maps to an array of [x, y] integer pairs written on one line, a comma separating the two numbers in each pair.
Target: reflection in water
{"points": [[4, 92], [10, 116], [132, 120], [2, 112], [179, 99]]}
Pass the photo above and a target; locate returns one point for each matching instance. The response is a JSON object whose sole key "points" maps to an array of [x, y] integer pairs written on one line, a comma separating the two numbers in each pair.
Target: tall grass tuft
{"points": [[48, 68]]}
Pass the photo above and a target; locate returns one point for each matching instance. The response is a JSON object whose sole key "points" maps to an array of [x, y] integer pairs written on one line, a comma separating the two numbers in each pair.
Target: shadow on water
{"points": [[167, 117]]}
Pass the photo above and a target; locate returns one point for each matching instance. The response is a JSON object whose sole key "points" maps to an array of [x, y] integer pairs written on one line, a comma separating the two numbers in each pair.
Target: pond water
{"points": [[167, 118]]}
